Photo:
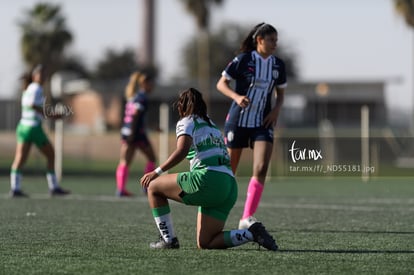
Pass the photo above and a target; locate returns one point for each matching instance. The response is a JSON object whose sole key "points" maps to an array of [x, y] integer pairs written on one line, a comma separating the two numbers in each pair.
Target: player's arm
{"points": [[37, 101], [183, 146], [223, 85], [271, 119], [38, 109], [38, 104]]}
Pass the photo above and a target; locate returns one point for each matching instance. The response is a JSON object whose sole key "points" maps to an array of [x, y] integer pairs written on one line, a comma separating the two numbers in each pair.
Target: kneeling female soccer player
{"points": [[210, 183]]}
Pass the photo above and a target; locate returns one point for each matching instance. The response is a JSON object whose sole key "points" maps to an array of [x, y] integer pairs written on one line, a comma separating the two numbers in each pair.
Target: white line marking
{"points": [[399, 203]]}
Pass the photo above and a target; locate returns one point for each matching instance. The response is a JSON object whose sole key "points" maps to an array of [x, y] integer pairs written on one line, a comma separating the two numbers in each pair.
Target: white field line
{"points": [[76, 197], [398, 204], [341, 207]]}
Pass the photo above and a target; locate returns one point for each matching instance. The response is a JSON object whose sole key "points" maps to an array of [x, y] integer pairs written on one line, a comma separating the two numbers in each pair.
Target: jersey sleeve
{"points": [[232, 69], [281, 81], [34, 95], [185, 126]]}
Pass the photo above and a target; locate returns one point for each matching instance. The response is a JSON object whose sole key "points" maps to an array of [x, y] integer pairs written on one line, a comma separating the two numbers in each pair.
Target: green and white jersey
{"points": [[32, 96], [208, 150]]}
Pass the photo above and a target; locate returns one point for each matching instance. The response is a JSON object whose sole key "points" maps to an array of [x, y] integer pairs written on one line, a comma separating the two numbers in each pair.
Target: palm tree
{"points": [[224, 42], [44, 36], [200, 9], [406, 9]]}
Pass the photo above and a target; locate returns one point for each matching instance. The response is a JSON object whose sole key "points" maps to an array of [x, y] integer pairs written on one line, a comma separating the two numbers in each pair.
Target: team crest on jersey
{"points": [[275, 74]]}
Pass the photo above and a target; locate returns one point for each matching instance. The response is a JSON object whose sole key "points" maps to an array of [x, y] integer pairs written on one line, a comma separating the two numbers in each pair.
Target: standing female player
{"points": [[210, 183], [133, 132], [252, 115], [29, 130]]}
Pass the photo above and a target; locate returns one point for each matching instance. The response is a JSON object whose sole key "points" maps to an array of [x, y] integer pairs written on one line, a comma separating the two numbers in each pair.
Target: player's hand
{"points": [[243, 101], [271, 119], [147, 178]]}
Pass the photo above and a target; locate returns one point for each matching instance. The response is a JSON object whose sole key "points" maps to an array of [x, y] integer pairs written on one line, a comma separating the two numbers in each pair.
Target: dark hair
{"points": [[190, 102], [26, 79], [249, 43]]}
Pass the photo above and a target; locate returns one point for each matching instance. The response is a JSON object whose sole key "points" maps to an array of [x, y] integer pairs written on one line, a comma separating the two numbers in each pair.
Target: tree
{"points": [[200, 9], [224, 43], [406, 9], [116, 64], [120, 64], [75, 63], [44, 36]]}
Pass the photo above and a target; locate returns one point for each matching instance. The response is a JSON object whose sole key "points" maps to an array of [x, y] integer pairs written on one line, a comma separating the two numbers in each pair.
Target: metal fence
{"points": [[9, 114]]}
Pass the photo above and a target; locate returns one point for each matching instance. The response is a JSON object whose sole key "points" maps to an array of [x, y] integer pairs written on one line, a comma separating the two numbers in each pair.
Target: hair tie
{"points": [[258, 30]]}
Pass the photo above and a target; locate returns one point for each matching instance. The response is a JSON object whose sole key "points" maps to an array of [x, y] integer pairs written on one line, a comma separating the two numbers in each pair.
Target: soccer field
{"points": [[322, 226]]}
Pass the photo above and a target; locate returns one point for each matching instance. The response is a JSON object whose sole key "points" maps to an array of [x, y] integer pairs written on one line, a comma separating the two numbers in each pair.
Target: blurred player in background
{"points": [[29, 131], [210, 183], [252, 115], [133, 131]]}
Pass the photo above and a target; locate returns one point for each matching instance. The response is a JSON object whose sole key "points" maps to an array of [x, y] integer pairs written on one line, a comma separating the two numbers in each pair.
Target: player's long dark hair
{"points": [[190, 102], [250, 43], [26, 79]]}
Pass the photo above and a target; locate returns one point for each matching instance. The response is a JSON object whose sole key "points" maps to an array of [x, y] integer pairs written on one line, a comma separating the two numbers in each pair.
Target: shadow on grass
{"points": [[345, 231], [346, 251]]}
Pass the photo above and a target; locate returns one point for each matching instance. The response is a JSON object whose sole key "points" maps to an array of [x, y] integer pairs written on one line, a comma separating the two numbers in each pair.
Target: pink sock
{"points": [[121, 176], [149, 167], [254, 193]]}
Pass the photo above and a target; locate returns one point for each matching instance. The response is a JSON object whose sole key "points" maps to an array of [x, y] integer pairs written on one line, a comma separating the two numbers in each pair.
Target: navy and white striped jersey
{"points": [[256, 78], [138, 103]]}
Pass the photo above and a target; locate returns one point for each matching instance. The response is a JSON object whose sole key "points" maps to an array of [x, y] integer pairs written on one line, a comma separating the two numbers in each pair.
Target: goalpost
{"points": [[164, 127]]}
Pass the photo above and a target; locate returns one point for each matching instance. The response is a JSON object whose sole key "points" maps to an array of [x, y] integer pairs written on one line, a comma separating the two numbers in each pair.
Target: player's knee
{"points": [[203, 244], [150, 190], [206, 242]]}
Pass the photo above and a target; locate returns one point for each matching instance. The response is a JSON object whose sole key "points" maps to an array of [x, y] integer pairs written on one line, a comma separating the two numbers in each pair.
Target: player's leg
{"points": [[236, 139], [20, 157], [146, 148], [211, 219], [210, 234], [159, 191], [127, 153], [47, 150], [235, 154], [262, 152], [216, 196]]}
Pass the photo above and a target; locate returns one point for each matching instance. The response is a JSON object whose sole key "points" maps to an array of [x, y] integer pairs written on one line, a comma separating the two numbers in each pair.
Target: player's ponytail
{"points": [[131, 87]]}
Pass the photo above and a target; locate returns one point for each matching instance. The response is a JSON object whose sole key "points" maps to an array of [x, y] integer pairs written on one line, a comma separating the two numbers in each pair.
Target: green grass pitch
{"points": [[322, 226]]}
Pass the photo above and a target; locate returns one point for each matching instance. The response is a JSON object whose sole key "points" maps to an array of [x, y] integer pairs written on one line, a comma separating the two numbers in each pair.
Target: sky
{"points": [[335, 40]]}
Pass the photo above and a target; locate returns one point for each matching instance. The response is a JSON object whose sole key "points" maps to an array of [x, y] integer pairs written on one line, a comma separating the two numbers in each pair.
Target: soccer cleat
{"points": [[262, 237], [59, 192], [247, 222], [124, 193], [18, 194], [162, 244]]}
